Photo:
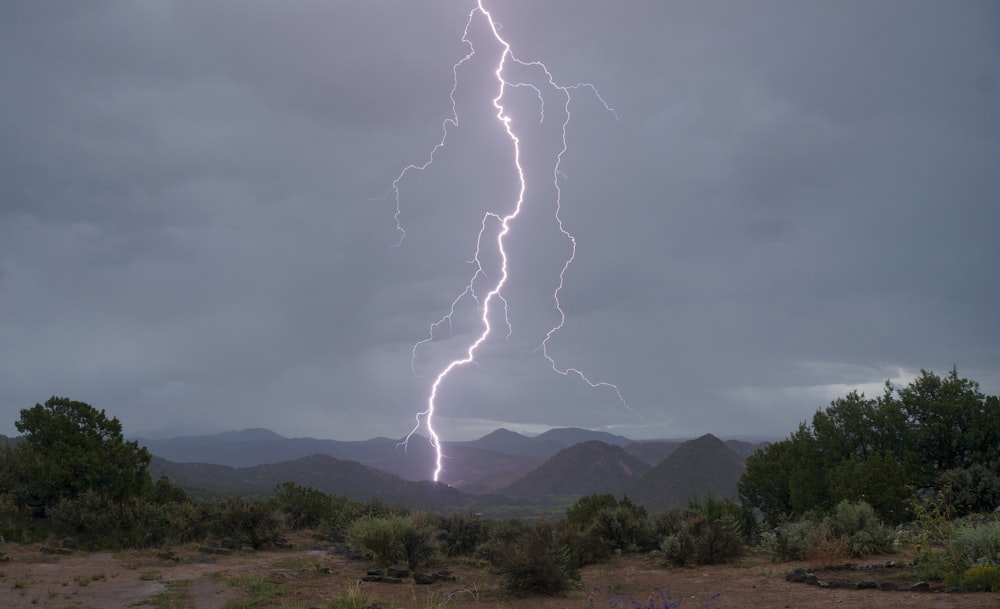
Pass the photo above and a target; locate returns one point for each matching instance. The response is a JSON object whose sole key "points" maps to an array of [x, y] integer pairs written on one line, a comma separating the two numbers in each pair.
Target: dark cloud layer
{"points": [[794, 200]]}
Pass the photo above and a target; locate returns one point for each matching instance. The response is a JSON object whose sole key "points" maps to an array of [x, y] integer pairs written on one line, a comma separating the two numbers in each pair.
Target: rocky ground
{"points": [[310, 575]]}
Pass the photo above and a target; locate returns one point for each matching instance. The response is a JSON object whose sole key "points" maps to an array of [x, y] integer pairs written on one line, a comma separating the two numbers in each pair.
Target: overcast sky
{"points": [[790, 200]]}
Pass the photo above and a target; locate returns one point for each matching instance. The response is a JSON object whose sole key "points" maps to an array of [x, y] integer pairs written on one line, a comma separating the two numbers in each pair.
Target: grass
{"points": [[258, 589], [353, 598], [176, 596], [150, 576]]}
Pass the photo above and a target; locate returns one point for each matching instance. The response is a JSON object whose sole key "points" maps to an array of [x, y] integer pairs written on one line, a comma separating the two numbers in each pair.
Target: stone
{"points": [[424, 579], [397, 571], [920, 587]]}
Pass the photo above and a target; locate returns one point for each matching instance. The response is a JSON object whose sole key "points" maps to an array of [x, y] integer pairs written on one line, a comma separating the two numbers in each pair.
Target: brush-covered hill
{"points": [[698, 468], [653, 452], [321, 472], [581, 469]]}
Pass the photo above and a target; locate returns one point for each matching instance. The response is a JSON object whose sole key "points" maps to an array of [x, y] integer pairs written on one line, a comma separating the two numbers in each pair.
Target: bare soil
{"points": [[312, 577]]}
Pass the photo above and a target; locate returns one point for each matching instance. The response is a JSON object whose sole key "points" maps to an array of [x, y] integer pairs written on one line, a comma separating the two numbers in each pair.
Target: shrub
{"points": [[537, 563], [969, 490], [394, 539], [859, 528], [981, 578], [302, 506], [96, 522], [977, 544], [700, 534], [253, 523], [620, 528], [15, 521], [700, 541], [808, 538], [462, 534]]}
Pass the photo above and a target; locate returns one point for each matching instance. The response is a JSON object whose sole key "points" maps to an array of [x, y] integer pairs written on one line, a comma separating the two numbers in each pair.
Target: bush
{"points": [[981, 578], [808, 538], [977, 544], [863, 534], [499, 534], [303, 507], [394, 539], [620, 528], [462, 534], [970, 490], [15, 521], [537, 563], [700, 541], [701, 534], [97, 523], [252, 523]]}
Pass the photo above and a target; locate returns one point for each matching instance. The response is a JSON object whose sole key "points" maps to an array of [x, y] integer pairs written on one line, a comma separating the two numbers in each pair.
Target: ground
{"points": [[309, 576]]}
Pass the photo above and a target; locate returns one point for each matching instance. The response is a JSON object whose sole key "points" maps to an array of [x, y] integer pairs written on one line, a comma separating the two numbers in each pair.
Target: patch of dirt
{"points": [[315, 577]]}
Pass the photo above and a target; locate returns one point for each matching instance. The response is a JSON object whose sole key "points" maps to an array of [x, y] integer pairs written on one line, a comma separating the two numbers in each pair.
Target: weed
{"points": [[260, 591], [353, 598], [149, 576], [658, 599], [176, 596]]}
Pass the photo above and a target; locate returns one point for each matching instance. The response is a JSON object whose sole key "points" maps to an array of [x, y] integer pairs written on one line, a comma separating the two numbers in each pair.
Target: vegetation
{"points": [[918, 466], [937, 432]]}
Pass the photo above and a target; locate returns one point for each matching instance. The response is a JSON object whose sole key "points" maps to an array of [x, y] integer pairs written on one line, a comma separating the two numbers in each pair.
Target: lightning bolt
{"points": [[494, 296]]}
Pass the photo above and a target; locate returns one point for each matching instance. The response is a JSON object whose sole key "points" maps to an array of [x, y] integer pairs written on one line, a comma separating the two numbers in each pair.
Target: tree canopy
{"points": [[70, 447], [880, 450]]}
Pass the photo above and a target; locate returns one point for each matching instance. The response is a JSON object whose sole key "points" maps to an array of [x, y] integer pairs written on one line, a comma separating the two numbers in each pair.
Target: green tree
{"points": [[878, 450], [69, 447], [953, 424]]}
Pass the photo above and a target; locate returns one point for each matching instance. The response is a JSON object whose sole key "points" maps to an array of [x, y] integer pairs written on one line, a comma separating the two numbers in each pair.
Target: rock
{"points": [[867, 584], [796, 575], [388, 579], [424, 579], [920, 587], [371, 578], [375, 571], [398, 571]]}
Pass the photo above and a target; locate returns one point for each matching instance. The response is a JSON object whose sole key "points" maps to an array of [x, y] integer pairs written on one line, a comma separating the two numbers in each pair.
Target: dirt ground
{"points": [[308, 576]]}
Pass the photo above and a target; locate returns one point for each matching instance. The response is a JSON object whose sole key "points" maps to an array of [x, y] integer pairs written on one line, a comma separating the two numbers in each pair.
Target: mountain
{"points": [[321, 472], [698, 468], [581, 469], [568, 436], [745, 449], [652, 453], [259, 446], [470, 469], [507, 442]]}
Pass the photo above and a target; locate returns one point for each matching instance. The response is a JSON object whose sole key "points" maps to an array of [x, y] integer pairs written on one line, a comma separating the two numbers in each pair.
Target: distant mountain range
{"points": [[501, 468]]}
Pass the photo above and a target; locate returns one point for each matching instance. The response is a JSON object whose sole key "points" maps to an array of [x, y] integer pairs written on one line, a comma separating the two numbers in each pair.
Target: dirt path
{"points": [[315, 578]]}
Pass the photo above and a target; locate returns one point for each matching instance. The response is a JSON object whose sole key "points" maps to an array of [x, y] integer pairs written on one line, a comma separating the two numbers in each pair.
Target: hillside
{"points": [[652, 453], [581, 469], [698, 468], [321, 472], [467, 468], [507, 442]]}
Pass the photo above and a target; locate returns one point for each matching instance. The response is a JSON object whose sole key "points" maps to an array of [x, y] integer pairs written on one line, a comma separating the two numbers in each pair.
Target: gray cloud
{"points": [[793, 202]]}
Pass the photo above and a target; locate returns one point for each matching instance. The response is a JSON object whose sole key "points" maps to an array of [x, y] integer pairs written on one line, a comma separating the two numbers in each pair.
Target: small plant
{"points": [[981, 578], [353, 598], [260, 591], [658, 599], [176, 596], [536, 563], [149, 576]]}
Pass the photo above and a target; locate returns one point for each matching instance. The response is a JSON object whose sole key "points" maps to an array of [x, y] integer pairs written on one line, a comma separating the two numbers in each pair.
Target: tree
{"points": [[878, 450], [69, 447]]}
